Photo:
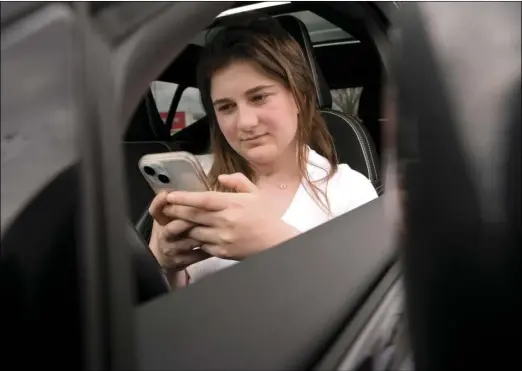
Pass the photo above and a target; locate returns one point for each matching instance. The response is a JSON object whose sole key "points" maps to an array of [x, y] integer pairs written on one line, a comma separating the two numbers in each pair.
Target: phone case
{"points": [[173, 171]]}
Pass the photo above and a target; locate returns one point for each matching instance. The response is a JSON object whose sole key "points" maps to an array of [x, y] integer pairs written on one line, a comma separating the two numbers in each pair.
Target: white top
{"points": [[346, 190]]}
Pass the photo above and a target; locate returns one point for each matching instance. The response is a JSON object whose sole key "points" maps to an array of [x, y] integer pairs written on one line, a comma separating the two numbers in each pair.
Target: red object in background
{"points": [[179, 120]]}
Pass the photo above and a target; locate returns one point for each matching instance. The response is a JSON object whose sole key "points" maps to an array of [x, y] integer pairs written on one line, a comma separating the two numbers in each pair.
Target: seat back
{"points": [[353, 144], [370, 112]]}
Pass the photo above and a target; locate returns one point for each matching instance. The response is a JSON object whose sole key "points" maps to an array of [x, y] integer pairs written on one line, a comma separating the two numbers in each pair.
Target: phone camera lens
{"points": [[148, 170], [163, 179]]}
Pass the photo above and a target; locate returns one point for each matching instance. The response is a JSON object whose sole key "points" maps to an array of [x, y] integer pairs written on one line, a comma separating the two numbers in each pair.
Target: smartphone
{"points": [[173, 171]]}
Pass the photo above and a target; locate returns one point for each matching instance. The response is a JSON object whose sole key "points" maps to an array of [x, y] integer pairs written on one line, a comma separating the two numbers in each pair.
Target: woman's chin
{"points": [[263, 154]]}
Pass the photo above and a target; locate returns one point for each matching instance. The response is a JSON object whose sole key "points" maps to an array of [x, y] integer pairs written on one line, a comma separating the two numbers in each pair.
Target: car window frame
{"points": [[308, 328]]}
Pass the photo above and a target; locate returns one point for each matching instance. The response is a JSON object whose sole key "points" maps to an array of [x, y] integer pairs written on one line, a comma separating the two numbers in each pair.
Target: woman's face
{"points": [[256, 114]]}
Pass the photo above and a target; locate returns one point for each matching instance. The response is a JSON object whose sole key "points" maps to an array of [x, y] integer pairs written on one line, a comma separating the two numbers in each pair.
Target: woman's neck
{"points": [[286, 167]]}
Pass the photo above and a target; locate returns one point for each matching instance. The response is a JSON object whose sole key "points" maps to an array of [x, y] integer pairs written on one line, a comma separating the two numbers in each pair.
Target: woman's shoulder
{"points": [[356, 182], [347, 188]]}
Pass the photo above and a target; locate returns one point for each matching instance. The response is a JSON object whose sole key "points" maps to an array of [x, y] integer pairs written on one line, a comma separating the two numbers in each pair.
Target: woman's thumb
{"points": [[238, 182], [156, 209]]}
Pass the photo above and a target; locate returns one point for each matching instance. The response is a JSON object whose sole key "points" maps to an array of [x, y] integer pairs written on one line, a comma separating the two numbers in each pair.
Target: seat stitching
{"points": [[368, 143], [361, 143]]}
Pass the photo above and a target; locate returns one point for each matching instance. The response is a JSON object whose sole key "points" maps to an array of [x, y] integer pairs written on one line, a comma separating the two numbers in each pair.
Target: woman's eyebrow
{"points": [[258, 88], [220, 101], [248, 92]]}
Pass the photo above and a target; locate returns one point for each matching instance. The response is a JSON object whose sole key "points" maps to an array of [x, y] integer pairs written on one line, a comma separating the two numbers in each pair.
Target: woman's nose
{"points": [[246, 117]]}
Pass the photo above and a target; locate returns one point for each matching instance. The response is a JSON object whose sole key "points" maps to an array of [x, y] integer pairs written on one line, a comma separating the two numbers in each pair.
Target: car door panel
{"points": [[209, 325]]}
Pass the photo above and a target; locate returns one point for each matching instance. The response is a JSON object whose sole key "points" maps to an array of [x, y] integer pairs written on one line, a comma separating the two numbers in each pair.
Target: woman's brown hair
{"points": [[265, 43]]}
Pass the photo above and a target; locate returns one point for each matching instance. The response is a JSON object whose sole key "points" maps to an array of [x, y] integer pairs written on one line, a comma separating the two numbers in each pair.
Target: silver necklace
{"points": [[282, 186]]}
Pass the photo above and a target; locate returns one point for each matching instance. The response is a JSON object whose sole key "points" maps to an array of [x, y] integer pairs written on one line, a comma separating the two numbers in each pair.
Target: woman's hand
{"points": [[170, 244], [230, 225]]}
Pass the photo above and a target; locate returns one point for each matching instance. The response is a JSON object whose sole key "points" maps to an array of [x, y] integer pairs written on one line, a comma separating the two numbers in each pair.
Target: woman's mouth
{"points": [[252, 138]]}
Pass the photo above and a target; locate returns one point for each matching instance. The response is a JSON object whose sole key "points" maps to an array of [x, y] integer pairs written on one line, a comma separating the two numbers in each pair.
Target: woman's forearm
{"points": [[177, 279]]}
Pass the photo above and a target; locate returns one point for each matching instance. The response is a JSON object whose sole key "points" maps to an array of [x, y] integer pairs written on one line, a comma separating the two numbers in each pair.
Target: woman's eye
{"points": [[225, 108], [259, 98]]}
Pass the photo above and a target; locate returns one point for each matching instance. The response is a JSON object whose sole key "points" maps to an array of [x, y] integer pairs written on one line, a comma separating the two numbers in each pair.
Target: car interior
{"points": [[419, 278], [350, 63]]}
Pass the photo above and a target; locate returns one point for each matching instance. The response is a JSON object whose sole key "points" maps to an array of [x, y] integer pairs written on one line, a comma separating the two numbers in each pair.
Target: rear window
{"points": [[189, 109], [163, 92], [347, 100]]}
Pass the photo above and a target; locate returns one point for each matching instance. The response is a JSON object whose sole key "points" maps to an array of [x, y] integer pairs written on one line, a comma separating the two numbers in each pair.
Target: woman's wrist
{"points": [[176, 278], [278, 233]]}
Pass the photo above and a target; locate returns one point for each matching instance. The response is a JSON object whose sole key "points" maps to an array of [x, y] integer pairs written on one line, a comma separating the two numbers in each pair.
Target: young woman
{"points": [[269, 182]]}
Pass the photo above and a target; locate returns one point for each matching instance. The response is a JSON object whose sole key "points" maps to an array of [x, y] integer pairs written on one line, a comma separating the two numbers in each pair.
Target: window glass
{"points": [[189, 108], [163, 92], [347, 100]]}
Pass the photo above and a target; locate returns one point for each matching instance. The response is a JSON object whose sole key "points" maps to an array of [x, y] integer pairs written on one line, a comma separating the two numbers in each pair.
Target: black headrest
{"points": [[298, 31]]}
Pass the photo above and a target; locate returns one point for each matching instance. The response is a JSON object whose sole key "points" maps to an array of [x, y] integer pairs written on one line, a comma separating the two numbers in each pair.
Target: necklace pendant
{"points": [[282, 186]]}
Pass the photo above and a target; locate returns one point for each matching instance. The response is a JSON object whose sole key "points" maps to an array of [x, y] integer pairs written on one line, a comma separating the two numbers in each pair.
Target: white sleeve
{"points": [[201, 269], [349, 189], [207, 267]]}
